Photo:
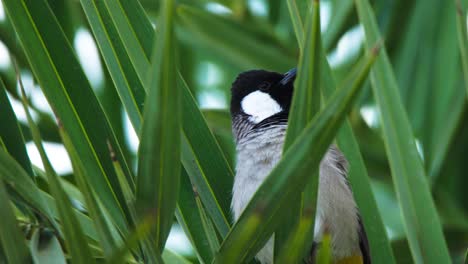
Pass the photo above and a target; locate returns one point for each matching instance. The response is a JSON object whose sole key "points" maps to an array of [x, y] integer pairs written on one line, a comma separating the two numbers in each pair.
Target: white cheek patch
{"points": [[259, 105]]}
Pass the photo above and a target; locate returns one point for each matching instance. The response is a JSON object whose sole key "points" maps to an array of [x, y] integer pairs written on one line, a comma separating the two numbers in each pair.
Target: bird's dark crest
{"points": [[250, 81]]}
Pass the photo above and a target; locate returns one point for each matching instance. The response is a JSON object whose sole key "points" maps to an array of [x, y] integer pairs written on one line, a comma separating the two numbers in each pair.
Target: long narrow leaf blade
{"points": [[159, 153], [85, 222], [297, 22], [74, 236], [11, 134], [70, 95], [380, 249], [215, 187], [228, 38], [422, 223], [140, 23], [306, 98], [129, 87], [134, 50], [106, 237], [11, 237], [46, 250], [447, 94], [204, 161], [16, 177], [343, 12], [463, 37], [305, 104], [192, 217], [140, 233], [173, 258]]}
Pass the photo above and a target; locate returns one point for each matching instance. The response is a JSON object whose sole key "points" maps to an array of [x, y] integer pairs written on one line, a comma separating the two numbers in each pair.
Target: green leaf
{"points": [[297, 22], [300, 240], [198, 134], [107, 238], [11, 134], [379, 244], [134, 50], [72, 191], [466, 256], [342, 18], [45, 248], [11, 237], [306, 98], [446, 96], [263, 212], [128, 85], [74, 237], [219, 122], [85, 222], [140, 233], [205, 162], [324, 251], [229, 39], [197, 226], [420, 217], [172, 258], [125, 36], [63, 82], [159, 152], [127, 189], [140, 23], [17, 179], [428, 75], [463, 37], [305, 104]]}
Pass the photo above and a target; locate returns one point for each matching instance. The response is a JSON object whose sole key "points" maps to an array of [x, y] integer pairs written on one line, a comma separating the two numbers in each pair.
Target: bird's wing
{"points": [[364, 244], [312, 254]]}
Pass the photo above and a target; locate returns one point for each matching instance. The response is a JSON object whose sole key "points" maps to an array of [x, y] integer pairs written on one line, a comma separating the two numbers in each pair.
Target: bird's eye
{"points": [[264, 86]]}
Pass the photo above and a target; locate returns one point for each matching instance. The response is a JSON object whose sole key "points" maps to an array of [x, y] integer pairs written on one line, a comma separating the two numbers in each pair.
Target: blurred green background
{"points": [[420, 37]]}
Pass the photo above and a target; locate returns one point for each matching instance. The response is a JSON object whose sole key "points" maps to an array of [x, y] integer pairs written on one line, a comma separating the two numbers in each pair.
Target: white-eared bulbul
{"points": [[260, 105]]}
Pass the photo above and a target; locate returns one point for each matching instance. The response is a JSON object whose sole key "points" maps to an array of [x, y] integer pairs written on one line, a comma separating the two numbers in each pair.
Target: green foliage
{"points": [[72, 231], [407, 170], [158, 178], [406, 165], [305, 104], [14, 243]]}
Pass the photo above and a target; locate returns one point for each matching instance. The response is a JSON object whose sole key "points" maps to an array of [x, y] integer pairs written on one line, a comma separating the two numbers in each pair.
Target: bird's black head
{"points": [[258, 95]]}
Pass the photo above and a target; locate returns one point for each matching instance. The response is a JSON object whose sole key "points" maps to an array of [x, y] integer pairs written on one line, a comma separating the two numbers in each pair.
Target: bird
{"points": [[260, 104]]}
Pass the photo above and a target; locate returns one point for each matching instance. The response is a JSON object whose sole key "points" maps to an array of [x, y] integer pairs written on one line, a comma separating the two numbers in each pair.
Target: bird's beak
{"points": [[289, 76]]}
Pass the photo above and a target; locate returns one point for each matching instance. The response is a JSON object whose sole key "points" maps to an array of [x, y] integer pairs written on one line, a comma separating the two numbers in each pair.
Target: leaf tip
{"points": [[375, 50], [111, 151], [459, 7], [195, 191], [59, 122], [19, 81]]}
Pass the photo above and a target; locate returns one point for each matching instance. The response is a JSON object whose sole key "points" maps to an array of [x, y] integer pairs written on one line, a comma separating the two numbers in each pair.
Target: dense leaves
{"points": [[162, 61]]}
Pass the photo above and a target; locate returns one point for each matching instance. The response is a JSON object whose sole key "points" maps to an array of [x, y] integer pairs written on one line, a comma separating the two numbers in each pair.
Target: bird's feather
{"points": [[364, 244]]}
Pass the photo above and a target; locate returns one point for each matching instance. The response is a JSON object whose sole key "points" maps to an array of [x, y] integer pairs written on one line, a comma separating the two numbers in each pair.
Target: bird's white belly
{"points": [[336, 209]]}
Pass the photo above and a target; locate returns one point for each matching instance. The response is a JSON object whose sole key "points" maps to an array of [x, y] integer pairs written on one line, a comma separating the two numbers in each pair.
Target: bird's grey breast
{"points": [[257, 153]]}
